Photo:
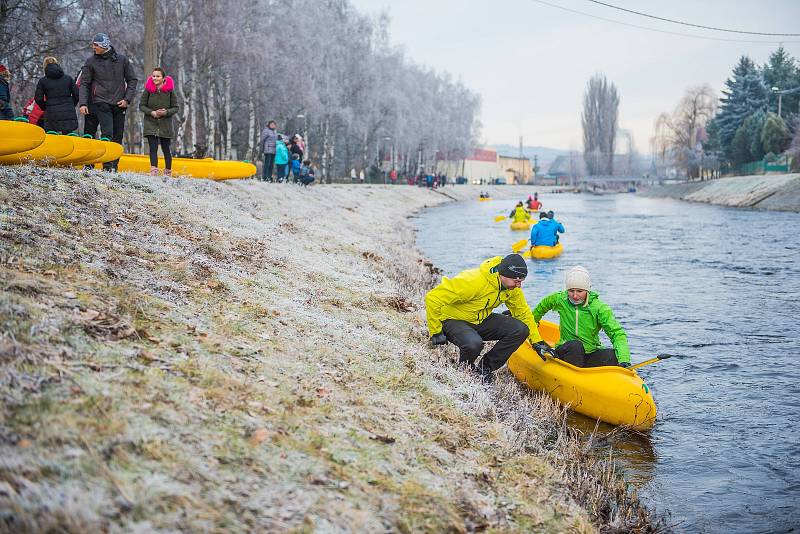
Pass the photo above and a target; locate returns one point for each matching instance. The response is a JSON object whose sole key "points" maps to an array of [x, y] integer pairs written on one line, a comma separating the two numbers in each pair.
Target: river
{"points": [[718, 287]]}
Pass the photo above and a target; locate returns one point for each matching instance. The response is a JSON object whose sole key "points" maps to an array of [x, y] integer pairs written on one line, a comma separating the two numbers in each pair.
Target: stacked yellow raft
{"points": [[615, 395], [21, 143], [483, 199], [196, 168]]}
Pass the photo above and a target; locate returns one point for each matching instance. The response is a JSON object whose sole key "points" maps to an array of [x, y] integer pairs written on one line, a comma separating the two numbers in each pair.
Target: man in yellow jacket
{"points": [[460, 310]]}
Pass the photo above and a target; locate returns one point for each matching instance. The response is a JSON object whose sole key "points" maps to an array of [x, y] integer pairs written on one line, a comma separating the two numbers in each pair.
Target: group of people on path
{"points": [[103, 91], [284, 154], [460, 310]]}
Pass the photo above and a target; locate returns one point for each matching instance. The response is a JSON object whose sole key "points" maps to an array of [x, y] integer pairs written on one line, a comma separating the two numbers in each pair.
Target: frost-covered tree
{"points": [[599, 120], [781, 71], [680, 133], [744, 94], [318, 67]]}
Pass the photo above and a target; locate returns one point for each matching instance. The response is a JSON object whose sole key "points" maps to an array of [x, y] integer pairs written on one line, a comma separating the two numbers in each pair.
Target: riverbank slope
{"points": [[201, 356], [779, 192]]}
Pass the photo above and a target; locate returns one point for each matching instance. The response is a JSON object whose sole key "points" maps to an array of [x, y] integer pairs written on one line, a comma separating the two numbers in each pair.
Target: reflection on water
{"points": [[717, 287]]}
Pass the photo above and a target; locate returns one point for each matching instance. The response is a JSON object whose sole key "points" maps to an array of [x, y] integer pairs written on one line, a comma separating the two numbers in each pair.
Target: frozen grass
{"points": [[229, 357]]}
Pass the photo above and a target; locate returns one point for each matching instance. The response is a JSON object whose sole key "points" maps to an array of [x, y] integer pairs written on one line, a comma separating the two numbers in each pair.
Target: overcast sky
{"points": [[530, 61]]}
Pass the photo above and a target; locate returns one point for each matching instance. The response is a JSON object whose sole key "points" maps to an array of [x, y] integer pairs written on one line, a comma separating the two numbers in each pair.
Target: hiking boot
{"points": [[484, 373], [153, 171], [167, 172]]}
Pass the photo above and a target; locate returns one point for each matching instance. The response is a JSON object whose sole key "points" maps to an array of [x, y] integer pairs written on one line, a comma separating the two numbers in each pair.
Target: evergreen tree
{"points": [[745, 93], [781, 71], [740, 146], [774, 134], [753, 126]]}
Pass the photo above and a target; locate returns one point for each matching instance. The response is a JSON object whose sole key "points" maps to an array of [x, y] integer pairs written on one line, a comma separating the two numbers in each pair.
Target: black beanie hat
{"points": [[513, 266], [542, 215]]}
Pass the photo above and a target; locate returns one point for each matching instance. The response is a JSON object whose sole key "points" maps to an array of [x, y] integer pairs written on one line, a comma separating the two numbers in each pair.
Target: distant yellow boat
{"points": [[19, 136], [612, 394], [196, 168], [543, 252], [521, 225]]}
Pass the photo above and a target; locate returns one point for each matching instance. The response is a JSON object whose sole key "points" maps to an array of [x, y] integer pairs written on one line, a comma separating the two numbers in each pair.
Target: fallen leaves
{"points": [[258, 436], [105, 324]]}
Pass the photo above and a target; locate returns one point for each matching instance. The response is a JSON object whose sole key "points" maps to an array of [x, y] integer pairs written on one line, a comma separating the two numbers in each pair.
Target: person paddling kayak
{"points": [[581, 316], [545, 233], [519, 213], [459, 310]]}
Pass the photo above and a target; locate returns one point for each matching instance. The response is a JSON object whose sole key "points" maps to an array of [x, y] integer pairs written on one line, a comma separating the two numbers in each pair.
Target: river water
{"points": [[718, 287]]}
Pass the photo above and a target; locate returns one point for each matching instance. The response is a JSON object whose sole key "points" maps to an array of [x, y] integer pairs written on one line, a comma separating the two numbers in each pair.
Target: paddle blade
{"points": [[519, 245], [500, 218]]}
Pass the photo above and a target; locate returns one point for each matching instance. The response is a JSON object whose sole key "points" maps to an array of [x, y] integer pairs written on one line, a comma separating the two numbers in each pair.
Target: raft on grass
{"points": [[56, 149], [19, 136], [612, 394], [543, 252], [195, 168]]}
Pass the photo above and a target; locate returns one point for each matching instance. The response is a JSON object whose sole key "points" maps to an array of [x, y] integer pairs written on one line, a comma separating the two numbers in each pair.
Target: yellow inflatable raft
{"points": [[19, 136], [615, 395], [196, 168], [521, 225], [484, 199], [53, 148], [545, 253]]}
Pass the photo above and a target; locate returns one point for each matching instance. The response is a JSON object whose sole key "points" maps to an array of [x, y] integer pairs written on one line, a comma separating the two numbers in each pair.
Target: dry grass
{"points": [[196, 356]]}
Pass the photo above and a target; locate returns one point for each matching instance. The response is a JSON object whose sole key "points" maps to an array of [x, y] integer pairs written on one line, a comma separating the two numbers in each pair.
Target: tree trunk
{"points": [[193, 104], [324, 164], [228, 122], [211, 118], [150, 42]]}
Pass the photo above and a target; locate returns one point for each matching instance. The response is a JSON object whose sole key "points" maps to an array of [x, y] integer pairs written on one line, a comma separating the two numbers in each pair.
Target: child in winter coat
{"points": [[281, 158], [296, 167], [307, 173]]}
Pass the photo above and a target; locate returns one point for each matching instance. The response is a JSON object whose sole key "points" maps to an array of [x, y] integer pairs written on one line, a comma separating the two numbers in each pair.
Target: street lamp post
{"points": [[778, 92]]}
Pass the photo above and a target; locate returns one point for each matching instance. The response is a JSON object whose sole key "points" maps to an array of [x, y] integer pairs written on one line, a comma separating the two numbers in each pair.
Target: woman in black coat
{"points": [[57, 95]]}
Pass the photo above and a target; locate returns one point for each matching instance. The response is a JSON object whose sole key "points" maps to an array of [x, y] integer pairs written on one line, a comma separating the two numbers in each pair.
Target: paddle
{"points": [[651, 360], [519, 245], [500, 218]]}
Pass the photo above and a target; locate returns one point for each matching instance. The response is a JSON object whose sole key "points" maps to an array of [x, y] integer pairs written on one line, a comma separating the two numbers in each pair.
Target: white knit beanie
{"points": [[578, 278]]}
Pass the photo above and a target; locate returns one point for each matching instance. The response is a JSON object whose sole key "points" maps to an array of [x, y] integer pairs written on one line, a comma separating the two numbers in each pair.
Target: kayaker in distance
{"points": [[519, 213], [459, 310], [533, 202], [545, 233], [581, 316]]}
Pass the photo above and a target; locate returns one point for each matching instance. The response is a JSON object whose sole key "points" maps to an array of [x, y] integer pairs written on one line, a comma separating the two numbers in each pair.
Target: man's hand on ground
{"points": [[438, 339], [544, 350]]}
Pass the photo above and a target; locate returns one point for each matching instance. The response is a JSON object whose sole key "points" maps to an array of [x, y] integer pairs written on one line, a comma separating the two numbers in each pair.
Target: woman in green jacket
{"points": [[159, 103], [581, 316]]}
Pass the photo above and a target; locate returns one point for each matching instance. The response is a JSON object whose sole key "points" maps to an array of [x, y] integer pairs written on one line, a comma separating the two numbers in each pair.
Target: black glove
{"points": [[625, 364], [438, 339], [544, 350]]}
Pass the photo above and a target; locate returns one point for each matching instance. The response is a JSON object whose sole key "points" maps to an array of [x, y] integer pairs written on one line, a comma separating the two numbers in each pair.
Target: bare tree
{"points": [[679, 134], [599, 120]]}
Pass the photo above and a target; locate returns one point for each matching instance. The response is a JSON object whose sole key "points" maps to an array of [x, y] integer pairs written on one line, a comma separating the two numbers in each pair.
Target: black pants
{"points": [[509, 333], [573, 352], [154, 141], [266, 172], [112, 125]]}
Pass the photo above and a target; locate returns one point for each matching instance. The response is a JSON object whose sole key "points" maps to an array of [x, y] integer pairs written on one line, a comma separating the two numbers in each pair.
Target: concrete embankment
{"points": [[199, 356], [770, 192]]}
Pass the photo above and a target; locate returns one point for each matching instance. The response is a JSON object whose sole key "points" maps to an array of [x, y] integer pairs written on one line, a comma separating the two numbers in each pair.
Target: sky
{"points": [[530, 61]]}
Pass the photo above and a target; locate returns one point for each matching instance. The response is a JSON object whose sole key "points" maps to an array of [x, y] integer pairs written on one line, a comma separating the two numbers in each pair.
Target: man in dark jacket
{"points": [[108, 80], [6, 112], [57, 95]]}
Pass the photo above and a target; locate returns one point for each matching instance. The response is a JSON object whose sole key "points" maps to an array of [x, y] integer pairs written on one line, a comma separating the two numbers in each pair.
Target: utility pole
{"points": [[150, 50]]}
